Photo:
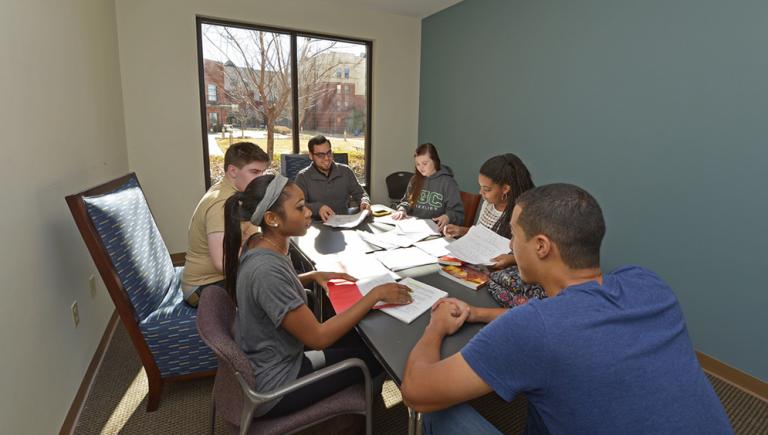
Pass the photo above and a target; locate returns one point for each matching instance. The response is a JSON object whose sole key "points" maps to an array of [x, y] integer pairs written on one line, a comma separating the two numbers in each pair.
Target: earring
{"points": [[275, 225], [504, 196]]}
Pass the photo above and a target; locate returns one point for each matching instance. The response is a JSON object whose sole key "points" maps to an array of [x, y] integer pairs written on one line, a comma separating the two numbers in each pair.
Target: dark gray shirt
{"points": [[333, 190], [267, 289], [439, 195]]}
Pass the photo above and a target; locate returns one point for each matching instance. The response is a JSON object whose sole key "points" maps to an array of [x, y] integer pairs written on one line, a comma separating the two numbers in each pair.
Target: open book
{"points": [[344, 294]]}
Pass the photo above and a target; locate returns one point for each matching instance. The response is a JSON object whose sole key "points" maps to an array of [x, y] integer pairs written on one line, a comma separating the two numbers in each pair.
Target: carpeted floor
{"points": [[117, 404]]}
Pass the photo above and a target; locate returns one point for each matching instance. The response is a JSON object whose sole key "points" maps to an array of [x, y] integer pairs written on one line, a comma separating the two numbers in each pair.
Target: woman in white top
{"points": [[502, 179]]}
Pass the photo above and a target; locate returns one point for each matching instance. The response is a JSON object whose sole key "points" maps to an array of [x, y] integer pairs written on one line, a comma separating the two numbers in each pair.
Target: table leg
{"points": [[419, 425]]}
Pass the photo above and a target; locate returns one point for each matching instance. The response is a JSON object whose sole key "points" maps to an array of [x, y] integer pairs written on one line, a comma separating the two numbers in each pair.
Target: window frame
{"points": [[293, 34]]}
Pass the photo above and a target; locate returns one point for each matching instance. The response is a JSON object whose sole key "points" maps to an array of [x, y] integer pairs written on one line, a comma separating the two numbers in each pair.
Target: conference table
{"points": [[390, 339]]}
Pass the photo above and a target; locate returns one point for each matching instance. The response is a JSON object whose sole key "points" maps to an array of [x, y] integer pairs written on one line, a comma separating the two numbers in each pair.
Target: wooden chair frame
{"points": [[116, 290]]}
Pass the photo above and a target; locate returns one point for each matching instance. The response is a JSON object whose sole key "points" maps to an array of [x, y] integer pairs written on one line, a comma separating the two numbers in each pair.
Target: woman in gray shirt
{"points": [[274, 324]]}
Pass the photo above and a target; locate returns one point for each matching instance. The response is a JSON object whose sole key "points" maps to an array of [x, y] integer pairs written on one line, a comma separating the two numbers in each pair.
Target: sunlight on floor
{"points": [[131, 400]]}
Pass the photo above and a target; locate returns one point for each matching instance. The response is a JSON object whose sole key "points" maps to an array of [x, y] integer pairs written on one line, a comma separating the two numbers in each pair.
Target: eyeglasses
{"points": [[325, 155]]}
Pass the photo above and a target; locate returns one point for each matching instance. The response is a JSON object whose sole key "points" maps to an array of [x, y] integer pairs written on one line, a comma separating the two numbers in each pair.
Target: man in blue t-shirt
{"points": [[603, 354]]}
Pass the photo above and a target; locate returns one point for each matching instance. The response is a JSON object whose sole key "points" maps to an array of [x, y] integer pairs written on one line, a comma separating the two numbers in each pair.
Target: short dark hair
{"points": [[243, 153], [568, 215], [317, 140]]}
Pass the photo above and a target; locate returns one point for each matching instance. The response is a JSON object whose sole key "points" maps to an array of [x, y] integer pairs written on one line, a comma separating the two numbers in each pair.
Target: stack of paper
{"points": [[479, 246], [347, 221], [424, 296], [404, 258], [388, 240], [434, 247]]}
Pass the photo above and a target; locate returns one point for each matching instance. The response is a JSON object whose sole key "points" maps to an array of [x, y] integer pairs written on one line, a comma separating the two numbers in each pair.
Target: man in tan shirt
{"points": [[243, 162]]}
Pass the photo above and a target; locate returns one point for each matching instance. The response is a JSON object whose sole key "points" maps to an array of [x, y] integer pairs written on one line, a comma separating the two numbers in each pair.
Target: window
{"points": [[278, 89]]}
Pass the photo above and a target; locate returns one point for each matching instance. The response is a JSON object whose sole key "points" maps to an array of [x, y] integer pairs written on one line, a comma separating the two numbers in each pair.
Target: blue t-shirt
{"points": [[612, 358]]}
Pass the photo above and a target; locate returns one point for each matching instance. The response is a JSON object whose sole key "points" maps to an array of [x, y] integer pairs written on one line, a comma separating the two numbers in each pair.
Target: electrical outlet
{"points": [[92, 285], [75, 313]]}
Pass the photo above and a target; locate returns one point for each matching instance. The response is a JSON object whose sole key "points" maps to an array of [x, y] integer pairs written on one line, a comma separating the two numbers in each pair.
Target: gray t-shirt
{"points": [[267, 289]]}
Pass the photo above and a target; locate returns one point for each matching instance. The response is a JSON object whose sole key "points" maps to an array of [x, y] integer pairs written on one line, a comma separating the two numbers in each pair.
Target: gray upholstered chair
{"points": [[234, 395]]}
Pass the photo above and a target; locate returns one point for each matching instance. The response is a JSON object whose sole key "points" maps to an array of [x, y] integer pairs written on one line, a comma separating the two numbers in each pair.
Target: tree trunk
{"points": [[270, 139]]}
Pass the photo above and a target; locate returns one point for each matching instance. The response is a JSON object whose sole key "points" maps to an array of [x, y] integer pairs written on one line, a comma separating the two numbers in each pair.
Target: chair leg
{"points": [[155, 392], [213, 416], [246, 418]]}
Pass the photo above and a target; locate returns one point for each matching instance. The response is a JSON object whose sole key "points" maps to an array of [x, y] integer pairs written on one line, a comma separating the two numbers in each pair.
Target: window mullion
{"points": [[295, 93]]}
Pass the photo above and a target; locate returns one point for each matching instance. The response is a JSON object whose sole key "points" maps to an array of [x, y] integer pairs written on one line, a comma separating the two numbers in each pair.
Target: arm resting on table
{"points": [[430, 384]]}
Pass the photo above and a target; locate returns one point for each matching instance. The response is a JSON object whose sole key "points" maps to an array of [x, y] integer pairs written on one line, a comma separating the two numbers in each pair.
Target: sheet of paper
{"points": [[424, 296], [406, 258], [347, 221], [387, 220], [407, 226], [434, 247], [479, 245], [358, 265]]}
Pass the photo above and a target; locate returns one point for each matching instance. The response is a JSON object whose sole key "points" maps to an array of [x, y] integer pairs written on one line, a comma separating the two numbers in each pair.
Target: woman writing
{"points": [[274, 324]]}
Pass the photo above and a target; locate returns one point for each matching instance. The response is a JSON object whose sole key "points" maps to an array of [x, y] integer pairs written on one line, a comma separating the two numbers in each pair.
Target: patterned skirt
{"points": [[509, 290]]}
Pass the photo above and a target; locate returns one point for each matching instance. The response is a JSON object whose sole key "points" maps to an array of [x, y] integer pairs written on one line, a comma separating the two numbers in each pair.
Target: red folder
{"points": [[344, 294]]}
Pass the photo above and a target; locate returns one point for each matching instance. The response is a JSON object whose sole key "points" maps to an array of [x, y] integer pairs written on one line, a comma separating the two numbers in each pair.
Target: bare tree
{"points": [[257, 73]]}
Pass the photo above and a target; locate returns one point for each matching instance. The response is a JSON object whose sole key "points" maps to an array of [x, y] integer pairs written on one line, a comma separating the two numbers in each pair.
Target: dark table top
{"points": [[390, 339]]}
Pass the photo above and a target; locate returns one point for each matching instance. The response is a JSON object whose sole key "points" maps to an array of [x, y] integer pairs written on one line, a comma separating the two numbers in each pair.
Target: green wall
{"points": [[658, 108]]}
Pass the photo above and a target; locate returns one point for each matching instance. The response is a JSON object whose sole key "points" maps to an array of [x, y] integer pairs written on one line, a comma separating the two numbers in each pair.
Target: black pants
{"points": [[349, 346]]}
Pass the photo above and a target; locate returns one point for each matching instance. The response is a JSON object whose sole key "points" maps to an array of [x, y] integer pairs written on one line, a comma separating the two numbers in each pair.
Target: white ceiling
{"points": [[412, 8]]}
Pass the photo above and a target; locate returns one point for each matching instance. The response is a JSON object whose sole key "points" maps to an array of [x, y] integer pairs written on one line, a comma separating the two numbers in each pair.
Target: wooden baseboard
{"points": [[733, 376], [70, 421]]}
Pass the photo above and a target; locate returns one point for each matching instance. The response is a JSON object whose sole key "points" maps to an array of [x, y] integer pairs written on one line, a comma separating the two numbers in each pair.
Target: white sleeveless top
{"points": [[488, 215]]}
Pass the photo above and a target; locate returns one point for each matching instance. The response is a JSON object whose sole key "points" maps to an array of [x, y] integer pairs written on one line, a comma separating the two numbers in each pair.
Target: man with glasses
{"points": [[328, 186]]}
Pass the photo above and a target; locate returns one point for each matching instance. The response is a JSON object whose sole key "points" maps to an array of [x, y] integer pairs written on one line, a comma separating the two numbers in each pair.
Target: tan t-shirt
{"points": [[208, 218]]}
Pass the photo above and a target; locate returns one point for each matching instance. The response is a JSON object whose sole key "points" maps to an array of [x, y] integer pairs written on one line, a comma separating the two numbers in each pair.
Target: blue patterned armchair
{"points": [[133, 261]]}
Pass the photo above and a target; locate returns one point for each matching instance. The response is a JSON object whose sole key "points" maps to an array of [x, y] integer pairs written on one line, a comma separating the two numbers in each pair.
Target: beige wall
{"points": [[158, 58], [62, 131]]}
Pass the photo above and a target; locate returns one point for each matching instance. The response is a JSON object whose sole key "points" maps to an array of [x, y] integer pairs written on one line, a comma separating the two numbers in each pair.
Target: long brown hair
{"points": [[417, 181]]}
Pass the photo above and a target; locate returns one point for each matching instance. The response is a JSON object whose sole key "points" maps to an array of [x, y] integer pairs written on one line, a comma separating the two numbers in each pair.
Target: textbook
{"points": [[447, 260], [465, 275]]}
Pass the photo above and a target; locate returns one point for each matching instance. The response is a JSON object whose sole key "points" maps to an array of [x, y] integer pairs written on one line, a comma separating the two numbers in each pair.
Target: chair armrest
{"points": [[306, 380], [178, 258]]}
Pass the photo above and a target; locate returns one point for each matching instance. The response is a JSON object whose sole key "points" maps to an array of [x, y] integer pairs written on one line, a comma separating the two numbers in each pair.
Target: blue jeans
{"points": [[459, 420]]}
